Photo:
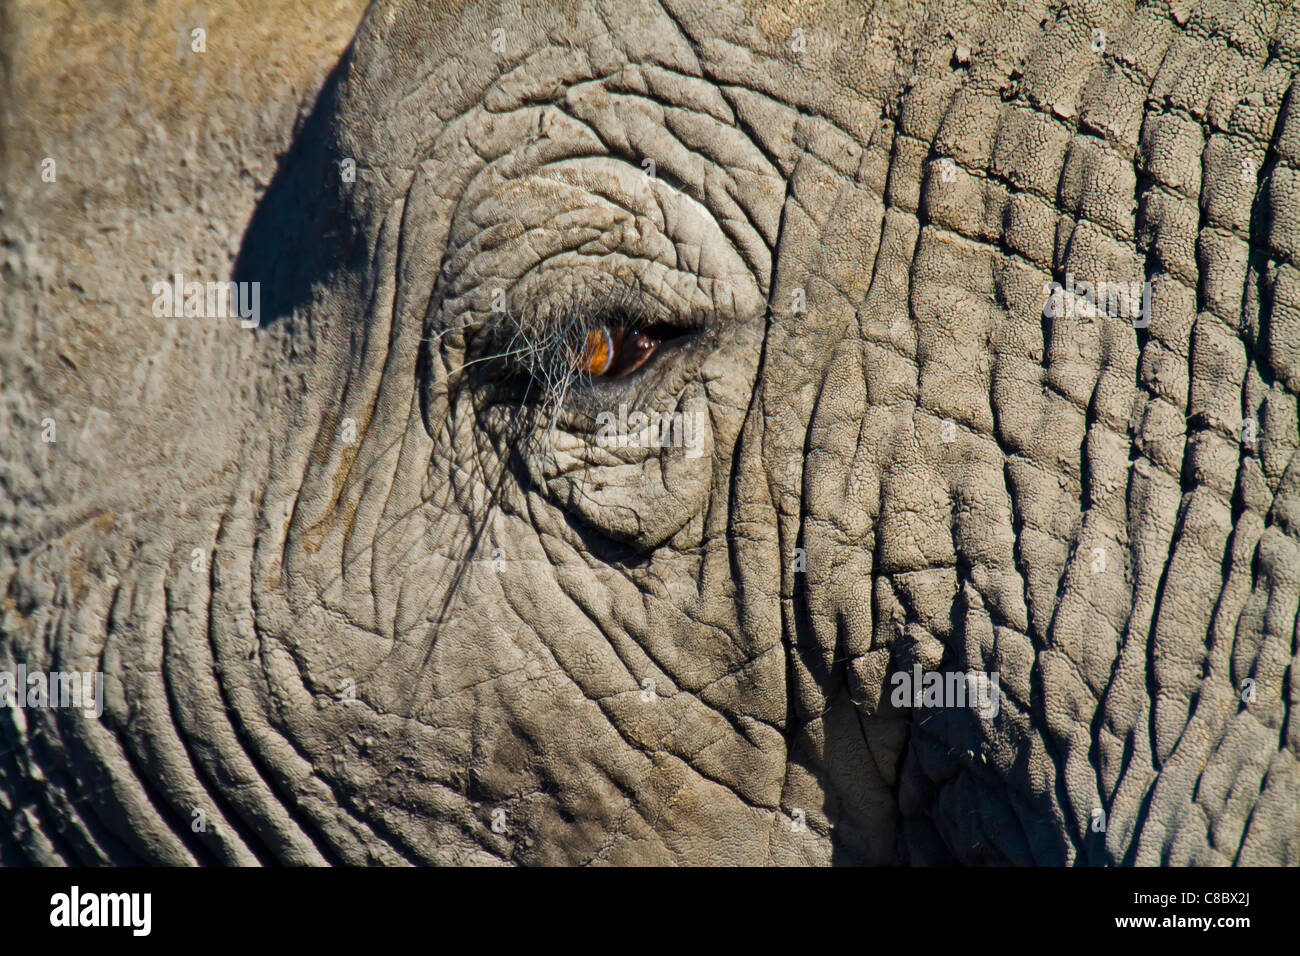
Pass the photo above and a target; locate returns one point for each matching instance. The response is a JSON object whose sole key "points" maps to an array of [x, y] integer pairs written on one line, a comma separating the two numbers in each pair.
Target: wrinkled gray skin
{"points": [[635, 656]]}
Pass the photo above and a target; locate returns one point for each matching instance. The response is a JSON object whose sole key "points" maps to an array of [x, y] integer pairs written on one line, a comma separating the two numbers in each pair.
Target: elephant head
{"points": [[638, 408]]}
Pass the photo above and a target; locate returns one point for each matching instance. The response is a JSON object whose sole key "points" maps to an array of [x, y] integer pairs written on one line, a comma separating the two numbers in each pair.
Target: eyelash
{"points": [[553, 351]]}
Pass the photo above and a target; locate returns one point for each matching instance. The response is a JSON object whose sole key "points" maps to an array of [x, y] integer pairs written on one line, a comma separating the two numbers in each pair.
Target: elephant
{"points": [[587, 432]]}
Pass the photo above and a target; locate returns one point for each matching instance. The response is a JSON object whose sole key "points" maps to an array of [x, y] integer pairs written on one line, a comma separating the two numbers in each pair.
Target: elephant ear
{"points": [[136, 138]]}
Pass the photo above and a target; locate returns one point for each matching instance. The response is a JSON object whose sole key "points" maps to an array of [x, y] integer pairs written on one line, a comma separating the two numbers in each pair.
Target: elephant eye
{"points": [[553, 351], [614, 351]]}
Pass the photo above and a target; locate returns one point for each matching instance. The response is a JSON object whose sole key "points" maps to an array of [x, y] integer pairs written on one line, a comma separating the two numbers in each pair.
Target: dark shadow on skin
{"points": [[300, 231]]}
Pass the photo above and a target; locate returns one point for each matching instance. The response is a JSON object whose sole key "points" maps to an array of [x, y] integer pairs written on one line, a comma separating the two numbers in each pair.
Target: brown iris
{"points": [[611, 351]]}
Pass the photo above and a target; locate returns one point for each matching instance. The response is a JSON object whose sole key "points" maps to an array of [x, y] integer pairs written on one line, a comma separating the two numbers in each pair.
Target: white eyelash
{"points": [[544, 344]]}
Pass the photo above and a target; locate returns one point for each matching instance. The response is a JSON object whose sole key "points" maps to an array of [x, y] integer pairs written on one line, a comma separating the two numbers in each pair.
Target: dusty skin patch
{"points": [[66, 54], [161, 153]]}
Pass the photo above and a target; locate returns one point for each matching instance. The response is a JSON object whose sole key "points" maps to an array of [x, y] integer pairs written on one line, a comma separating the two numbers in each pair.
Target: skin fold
{"points": [[365, 585]]}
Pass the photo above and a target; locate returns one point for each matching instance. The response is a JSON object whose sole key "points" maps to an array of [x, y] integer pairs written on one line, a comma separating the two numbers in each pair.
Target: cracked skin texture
{"points": [[346, 652]]}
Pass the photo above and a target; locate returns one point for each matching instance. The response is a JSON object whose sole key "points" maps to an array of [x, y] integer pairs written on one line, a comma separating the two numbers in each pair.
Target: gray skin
{"points": [[353, 603]]}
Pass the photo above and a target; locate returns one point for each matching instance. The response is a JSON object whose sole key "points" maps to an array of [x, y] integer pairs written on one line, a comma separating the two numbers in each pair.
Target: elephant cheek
{"points": [[637, 485]]}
